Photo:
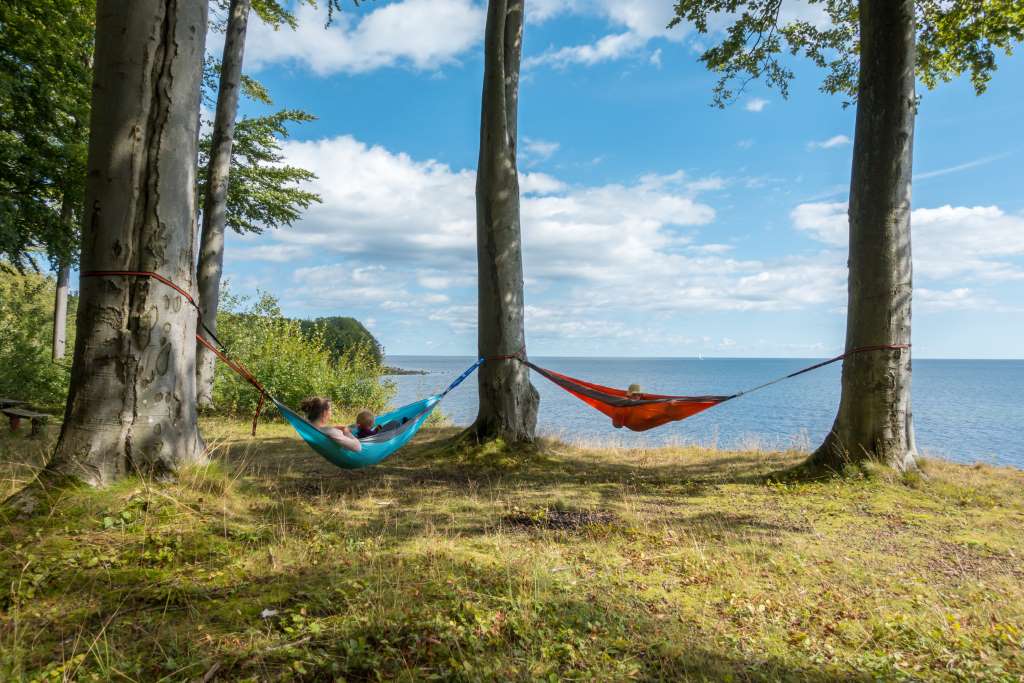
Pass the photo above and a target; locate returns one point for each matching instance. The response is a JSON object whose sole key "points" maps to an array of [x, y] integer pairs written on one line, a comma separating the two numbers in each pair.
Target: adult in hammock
{"points": [[620, 419], [318, 412]]}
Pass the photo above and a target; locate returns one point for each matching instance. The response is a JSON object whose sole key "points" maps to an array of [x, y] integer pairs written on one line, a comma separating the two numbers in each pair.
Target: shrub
{"points": [[27, 370], [290, 363]]}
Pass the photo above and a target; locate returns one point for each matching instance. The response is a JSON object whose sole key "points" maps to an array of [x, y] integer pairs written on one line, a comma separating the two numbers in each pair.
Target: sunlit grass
{"points": [[570, 562]]}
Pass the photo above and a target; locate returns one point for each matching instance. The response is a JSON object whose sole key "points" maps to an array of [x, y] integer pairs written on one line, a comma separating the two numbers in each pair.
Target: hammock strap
{"points": [[851, 352], [461, 378], [518, 355]]}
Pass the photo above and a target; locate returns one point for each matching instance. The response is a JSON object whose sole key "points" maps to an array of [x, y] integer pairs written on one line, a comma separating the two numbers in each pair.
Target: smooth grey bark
{"points": [[508, 402], [60, 312], [60, 300], [211, 242], [874, 421], [131, 405]]}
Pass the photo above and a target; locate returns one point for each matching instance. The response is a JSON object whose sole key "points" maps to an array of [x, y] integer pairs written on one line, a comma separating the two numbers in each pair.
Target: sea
{"points": [[964, 410]]}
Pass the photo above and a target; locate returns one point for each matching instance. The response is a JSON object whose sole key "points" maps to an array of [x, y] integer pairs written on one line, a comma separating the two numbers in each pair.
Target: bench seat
{"points": [[16, 415]]}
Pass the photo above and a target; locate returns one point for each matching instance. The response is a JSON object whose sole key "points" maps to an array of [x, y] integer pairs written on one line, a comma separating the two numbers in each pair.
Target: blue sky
{"points": [[654, 224]]}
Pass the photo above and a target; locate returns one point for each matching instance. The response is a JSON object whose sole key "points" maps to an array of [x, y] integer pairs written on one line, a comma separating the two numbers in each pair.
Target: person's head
{"points": [[317, 408], [365, 419], [634, 391]]}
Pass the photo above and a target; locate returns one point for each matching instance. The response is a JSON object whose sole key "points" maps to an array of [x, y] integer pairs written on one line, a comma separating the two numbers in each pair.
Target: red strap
{"points": [[518, 355], [242, 371], [141, 273]]}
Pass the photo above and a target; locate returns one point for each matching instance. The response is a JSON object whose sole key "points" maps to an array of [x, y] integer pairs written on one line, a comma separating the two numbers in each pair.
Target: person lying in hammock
{"points": [[633, 394], [318, 412], [365, 425]]}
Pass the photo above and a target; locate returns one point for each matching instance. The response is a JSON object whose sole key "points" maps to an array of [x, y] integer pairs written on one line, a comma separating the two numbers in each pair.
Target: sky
{"points": [[653, 224]]}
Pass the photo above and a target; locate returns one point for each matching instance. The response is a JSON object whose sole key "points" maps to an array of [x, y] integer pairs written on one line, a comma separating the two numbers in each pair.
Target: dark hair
{"points": [[315, 407]]}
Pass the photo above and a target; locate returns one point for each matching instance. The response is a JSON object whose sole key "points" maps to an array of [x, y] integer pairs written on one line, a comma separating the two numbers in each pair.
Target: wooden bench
{"points": [[16, 415]]}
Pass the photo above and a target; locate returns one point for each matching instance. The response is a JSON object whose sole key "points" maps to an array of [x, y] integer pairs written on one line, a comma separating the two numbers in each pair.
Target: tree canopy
{"points": [[342, 334], [953, 38], [262, 191], [45, 89]]}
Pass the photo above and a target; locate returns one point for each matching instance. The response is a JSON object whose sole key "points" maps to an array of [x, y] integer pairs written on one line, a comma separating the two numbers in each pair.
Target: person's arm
{"points": [[344, 438]]}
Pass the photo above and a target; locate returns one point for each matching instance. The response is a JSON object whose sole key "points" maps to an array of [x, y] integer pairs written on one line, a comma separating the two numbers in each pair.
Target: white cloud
{"points": [[745, 144], [705, 184], [339, 286], [834, 141], [643, 21], [959, 298], [534, 151], [826, 221], [539, 183], [976, 242], [756, 104], [422, 34], [399, 228], [960, 167], [710, 248], [278, 253]]}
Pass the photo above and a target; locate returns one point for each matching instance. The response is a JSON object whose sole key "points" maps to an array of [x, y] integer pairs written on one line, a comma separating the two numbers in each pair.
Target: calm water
{"points": [[965, 410]]}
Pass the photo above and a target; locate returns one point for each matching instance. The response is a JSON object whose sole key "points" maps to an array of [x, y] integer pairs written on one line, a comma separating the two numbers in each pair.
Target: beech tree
{"points": [[211, 240], [244, 189], [871, 50], [508, 401], [131, 405]]}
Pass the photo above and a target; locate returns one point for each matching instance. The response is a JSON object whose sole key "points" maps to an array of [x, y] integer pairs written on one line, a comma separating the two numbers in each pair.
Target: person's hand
{"points": [[345, 430]]}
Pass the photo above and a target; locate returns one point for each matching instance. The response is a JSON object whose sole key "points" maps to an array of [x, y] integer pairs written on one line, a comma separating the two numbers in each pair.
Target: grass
{"points": [[566, 563]]}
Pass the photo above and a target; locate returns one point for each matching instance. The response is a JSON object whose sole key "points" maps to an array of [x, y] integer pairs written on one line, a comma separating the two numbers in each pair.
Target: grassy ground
{"points": [[671, 564]]}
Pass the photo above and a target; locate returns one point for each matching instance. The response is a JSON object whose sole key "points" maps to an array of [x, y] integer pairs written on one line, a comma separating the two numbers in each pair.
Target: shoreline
{"points": [[390, 371]]}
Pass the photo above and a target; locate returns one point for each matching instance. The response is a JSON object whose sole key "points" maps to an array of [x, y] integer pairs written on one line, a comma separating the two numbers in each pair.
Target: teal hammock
{"points": [[379, 446]]}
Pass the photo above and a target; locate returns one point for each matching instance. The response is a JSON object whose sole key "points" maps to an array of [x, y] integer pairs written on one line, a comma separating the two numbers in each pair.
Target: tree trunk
{"points": [[211, 243], [60, 301], [874, 420], [131, 406], [508, 402]]}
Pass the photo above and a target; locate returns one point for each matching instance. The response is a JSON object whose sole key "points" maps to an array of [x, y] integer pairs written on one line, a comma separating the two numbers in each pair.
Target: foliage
{"points": [[27, 370], [953, 38], [271, 12], [686, 565], [45, 90], [290, 363], [341, 334], [262, 191]]}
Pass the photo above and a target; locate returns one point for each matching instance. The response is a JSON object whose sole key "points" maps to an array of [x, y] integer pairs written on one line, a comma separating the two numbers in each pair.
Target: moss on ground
{"points": [[445, 563]]}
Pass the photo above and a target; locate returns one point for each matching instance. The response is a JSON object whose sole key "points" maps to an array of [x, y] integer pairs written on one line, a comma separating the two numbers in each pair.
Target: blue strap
{"points": [[461, 378]]}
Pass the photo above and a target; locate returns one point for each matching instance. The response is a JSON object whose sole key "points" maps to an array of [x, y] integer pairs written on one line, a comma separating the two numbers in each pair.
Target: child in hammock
{"points": [[366, 420]]}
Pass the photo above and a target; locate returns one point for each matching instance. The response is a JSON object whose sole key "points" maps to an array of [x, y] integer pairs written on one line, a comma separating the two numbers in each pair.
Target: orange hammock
{"points": [[653, 410], [639, 414]]}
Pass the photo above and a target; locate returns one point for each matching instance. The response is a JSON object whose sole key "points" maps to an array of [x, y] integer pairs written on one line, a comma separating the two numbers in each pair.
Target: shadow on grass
{"points": [[399, 617], [434, 461]]}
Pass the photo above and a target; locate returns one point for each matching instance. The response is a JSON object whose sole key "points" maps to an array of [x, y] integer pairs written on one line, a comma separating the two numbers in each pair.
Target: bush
{"points": [[27, 370], [290, 363]]}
